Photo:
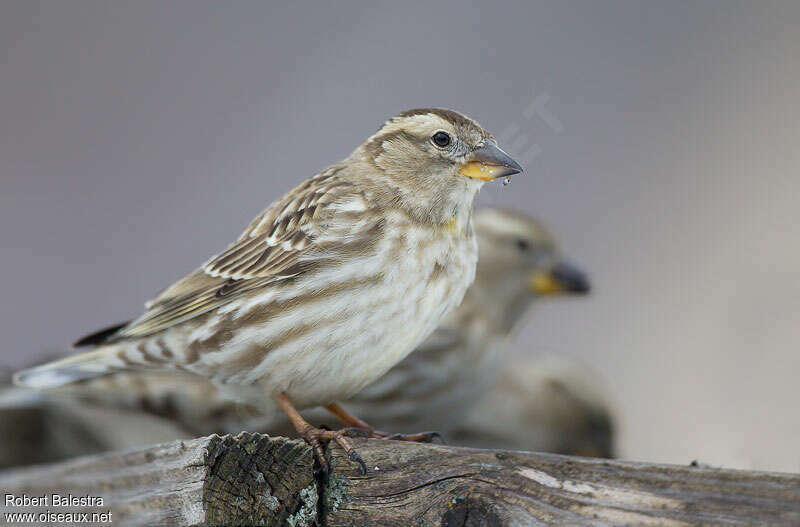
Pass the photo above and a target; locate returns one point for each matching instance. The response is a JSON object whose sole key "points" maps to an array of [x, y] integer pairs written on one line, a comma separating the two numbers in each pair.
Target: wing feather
{"points": [[278, 244]]}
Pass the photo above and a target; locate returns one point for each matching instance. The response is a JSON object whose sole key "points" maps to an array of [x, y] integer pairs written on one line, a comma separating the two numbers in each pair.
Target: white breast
{"points": [[376, 326]]}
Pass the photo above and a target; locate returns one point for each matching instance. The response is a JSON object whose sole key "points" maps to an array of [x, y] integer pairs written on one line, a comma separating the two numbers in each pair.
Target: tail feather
{"points": [[69, 370]]}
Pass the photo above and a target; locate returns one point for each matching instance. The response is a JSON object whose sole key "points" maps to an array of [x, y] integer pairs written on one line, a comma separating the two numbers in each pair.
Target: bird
{"points": [[326, 289], [443, 382], [548, 403]]}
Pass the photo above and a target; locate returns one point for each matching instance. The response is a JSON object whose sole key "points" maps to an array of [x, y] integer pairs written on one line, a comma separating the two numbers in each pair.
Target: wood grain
{"points": [[249, 479], [252, 479], [445, 486]]}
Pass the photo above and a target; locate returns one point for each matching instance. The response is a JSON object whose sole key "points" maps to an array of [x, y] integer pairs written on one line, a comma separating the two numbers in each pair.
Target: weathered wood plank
{"points": [[252, 479], [439, 485], [249, 479]]}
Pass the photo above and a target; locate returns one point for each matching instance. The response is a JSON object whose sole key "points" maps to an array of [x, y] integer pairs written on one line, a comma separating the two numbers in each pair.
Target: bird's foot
{"points": [[316, 437], [420, 437], [360, 428]]}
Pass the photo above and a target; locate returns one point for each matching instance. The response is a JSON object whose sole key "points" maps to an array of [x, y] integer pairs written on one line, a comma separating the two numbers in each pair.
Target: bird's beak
{"points": [[490, 162], [561, 279]]}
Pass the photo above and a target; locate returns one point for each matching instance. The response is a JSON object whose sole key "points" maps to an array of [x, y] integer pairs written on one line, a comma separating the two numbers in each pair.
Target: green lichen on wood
{"points": [[307, 515], [335, 492]]}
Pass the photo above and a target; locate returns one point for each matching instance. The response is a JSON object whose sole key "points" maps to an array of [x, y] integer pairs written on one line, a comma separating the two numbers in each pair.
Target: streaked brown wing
{"points": [[280, 243]]}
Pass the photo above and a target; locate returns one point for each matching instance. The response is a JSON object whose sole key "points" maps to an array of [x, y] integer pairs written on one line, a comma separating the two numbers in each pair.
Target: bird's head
{"points": [[434, 161], [518, 262]]}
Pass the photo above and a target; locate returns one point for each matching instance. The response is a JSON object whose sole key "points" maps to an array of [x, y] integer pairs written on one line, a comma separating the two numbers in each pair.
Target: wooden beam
{"points": [[249, 479], [252, 479], [412, 484]]}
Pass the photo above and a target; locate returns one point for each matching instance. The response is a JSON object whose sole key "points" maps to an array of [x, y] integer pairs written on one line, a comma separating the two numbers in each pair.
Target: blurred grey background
{"points": [[661, 142]]}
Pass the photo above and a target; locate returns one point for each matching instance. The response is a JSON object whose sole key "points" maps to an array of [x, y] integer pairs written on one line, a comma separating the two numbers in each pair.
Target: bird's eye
{"points": [[441, 139], [523, 245]]}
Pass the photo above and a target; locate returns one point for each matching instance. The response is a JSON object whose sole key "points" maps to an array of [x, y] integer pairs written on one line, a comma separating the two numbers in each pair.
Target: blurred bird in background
{"points": [[44, 427], [547, 403], [455, 382]]}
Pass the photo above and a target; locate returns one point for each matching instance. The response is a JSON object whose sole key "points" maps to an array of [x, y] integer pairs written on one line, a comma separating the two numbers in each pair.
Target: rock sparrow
{"points": [[329, 287]]}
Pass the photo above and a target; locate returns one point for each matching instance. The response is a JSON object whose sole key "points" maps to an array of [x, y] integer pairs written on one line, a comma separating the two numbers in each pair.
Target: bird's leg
{"points": [[315, 437], [355, 422], [349, 419]]}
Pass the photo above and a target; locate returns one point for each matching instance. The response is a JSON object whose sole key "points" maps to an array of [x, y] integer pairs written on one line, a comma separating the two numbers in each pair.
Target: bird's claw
{"points": [[362, 467], [323, 469], [314, 437]]}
